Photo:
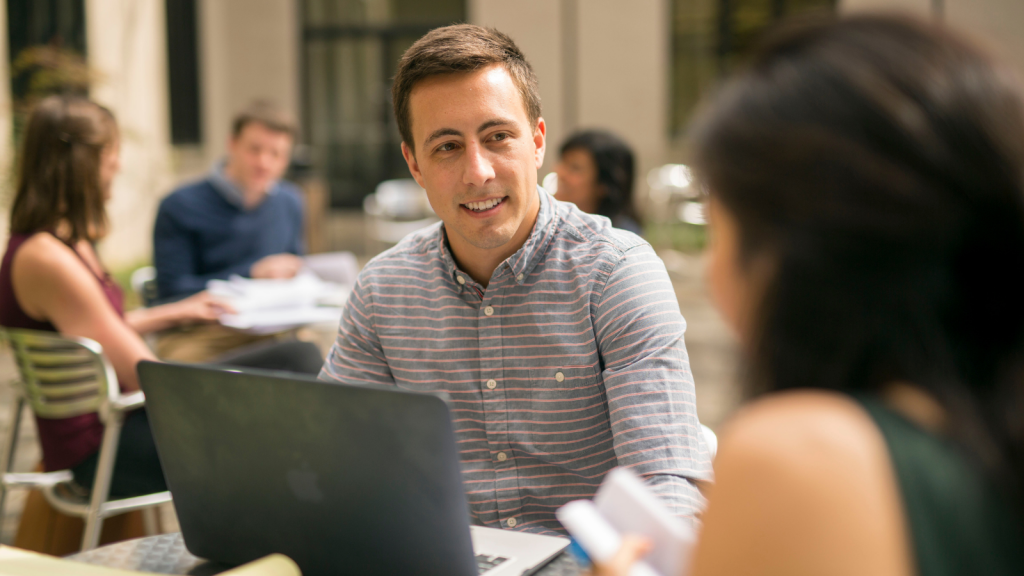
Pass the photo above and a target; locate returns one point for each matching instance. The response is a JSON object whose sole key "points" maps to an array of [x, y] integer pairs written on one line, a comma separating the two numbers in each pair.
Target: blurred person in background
{"points": [[866, 182], [51, 279], [595, 172], [241, 219]]}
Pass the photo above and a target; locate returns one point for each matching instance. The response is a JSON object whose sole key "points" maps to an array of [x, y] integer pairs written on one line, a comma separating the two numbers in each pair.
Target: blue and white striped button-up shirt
{"points": [[569, 363]]}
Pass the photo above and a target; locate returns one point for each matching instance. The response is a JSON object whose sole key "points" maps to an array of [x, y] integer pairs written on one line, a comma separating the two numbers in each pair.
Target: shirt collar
{"points": [[227, 187], [526, 258]]}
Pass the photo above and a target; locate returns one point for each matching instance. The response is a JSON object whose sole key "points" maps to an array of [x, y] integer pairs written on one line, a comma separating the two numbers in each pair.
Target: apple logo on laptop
{"points": [[303, 484]]}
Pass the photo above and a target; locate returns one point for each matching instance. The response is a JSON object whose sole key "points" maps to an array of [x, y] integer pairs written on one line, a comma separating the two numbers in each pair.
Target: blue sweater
{"points": [[200, 236]]}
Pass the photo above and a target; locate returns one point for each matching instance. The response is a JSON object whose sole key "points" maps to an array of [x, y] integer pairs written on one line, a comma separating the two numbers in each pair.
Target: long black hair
{"points": [[615, 170], [877, 165]]}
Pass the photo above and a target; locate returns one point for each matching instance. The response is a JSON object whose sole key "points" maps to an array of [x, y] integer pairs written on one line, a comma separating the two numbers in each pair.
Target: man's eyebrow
{"points": [[494, 122], [441, 132], [453, 132]]}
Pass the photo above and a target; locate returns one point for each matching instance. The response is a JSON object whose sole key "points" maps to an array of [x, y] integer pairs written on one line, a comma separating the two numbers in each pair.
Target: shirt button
{"points": [[461, 280], [502, 457], [559, 376], [511, 522], [488, 311], [492, 384], [519, 278]]}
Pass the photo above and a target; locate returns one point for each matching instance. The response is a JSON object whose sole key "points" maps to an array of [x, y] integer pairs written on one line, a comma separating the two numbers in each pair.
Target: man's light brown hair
{"points": [[460, 48], [267, 113]]}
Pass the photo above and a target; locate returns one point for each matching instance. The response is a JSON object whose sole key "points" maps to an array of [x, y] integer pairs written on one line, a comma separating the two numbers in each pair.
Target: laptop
{"points": [[342, 479]]}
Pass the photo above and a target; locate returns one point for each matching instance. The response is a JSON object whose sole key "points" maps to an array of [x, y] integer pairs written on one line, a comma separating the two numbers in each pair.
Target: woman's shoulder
{"points": [[798, 424], [43, 251], [788, 466], [45, 259], [807, 440], [812, 438]]}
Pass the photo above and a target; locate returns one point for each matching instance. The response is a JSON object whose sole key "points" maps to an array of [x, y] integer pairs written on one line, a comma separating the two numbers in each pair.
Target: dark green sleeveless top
{"points": [[959, 523]]}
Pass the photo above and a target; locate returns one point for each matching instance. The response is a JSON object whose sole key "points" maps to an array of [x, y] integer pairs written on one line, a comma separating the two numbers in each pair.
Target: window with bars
{"points": [[183, 72], [350, 53]]}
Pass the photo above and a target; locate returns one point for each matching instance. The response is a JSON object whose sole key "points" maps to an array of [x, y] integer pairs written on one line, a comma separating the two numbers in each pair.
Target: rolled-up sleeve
{"points": [[649, 386]]}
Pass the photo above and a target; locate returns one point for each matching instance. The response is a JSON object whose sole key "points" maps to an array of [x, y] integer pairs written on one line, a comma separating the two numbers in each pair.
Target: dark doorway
{"points": [[349, 56], [183, 71]]}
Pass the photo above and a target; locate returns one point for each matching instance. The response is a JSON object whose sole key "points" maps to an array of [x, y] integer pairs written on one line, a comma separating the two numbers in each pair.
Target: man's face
{"points": [[258, 156], [477, 154]]}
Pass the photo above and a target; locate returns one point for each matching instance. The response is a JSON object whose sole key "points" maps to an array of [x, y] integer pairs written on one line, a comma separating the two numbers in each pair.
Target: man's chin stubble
{"points": [[490, 241]]}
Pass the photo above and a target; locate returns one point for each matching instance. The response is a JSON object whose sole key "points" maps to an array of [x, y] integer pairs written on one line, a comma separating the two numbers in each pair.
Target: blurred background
{"points": [[175, 72]]}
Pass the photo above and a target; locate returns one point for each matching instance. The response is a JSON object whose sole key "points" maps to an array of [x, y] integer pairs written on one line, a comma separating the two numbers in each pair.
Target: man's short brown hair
{"points": [[267, 113], [460, 48]]}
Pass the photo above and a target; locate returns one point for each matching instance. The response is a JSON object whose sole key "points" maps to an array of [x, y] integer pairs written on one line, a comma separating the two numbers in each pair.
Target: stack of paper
{"points": [[264, 306]]}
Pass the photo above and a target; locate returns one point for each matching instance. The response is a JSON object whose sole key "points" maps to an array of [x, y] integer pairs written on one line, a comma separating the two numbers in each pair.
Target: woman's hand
{"points": [[277, 266], [633, 549], [199, 308]]}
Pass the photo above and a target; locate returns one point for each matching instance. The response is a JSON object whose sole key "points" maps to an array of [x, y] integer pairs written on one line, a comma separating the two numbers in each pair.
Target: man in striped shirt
{"points": [[557, 337]]}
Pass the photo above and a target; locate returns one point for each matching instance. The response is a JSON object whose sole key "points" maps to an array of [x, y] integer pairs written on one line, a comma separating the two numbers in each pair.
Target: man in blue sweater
{"points": [[241, 219]]}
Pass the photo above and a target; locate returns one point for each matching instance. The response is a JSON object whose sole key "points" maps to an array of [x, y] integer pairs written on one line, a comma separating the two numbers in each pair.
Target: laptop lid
{"points": [[342, 479]]}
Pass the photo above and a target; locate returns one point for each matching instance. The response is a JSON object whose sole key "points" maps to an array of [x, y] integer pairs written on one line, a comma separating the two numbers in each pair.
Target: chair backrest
{"points": [[143, 281], [396, 209], [400, 199], [62, 376]]}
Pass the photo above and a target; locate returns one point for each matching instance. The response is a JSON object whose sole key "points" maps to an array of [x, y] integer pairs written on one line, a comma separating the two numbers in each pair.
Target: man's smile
{"points": [[484, 207]]}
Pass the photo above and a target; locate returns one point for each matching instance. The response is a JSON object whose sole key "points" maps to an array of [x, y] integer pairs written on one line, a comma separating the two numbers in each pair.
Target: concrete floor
{"points": [[713, 357]]}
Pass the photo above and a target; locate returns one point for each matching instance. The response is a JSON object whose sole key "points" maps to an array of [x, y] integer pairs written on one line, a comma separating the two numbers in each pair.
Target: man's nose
{"points": [[479, 170], [266, 158]]}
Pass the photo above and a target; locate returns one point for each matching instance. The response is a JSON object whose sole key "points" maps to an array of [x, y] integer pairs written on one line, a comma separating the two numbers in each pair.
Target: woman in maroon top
{"points": [[51, 279]]}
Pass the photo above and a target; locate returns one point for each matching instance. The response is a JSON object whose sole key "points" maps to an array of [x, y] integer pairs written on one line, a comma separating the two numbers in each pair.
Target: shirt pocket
{"points": [[558, 393]]}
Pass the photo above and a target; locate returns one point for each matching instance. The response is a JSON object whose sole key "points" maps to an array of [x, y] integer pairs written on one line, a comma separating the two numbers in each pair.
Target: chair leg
{"points": [[101, 484], [7, 464]]}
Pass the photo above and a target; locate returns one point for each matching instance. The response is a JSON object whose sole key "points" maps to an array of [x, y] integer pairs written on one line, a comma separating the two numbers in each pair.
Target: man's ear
{"points": [[540, 134], [414, 166]]}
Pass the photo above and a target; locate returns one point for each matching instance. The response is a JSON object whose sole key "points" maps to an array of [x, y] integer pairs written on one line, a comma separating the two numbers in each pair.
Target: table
{"points": [[166, 554]]}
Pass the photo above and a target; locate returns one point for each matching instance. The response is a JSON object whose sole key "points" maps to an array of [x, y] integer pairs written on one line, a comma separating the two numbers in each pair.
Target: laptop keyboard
{"points": [[485, 562]]}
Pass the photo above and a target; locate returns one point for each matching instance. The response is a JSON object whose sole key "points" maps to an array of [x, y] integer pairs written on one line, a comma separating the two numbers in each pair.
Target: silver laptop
{"points": [[342, 479]]}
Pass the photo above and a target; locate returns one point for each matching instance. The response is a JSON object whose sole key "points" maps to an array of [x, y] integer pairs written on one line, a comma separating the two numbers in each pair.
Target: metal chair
{"points": [[143, 282], [63, 377], [396, 209]]}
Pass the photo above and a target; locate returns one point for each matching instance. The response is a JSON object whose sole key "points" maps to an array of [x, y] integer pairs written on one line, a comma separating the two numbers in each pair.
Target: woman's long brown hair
{"points": [[59, 169]]}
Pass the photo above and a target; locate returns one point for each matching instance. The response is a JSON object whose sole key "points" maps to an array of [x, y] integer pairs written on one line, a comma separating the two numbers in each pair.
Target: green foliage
{"points": [[681, 236], [123, 278], [39, 71]]}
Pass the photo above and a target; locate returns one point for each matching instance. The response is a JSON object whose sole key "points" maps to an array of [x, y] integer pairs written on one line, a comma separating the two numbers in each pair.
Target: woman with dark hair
{"points": [[866, 182], [595, 172], [51, 279]]}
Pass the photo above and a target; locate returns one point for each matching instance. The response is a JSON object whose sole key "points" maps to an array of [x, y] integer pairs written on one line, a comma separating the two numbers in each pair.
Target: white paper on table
{"points": [[246, 294], [276, 320], [266, 306]]}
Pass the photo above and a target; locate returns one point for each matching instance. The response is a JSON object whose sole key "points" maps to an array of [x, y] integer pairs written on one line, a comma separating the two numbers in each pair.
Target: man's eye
{"points": [[446, 147], [501, 136]]}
